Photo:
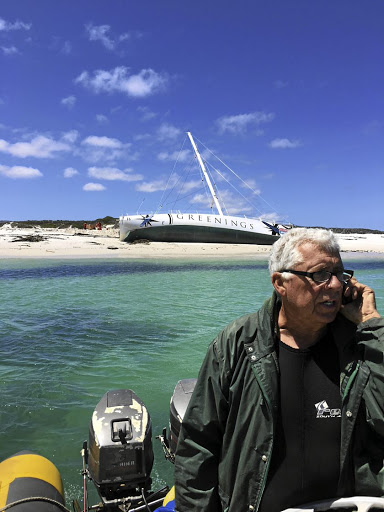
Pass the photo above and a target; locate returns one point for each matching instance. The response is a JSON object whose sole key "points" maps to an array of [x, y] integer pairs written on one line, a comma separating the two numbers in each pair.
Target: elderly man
{"points": [[289, 404]]}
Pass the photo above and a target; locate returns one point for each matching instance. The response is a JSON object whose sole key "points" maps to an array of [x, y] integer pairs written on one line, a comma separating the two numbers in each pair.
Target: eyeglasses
{"points": [[323, 276]]}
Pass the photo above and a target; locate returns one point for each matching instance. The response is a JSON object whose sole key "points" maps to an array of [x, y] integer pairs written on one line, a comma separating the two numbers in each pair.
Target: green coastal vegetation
{"points": [[62, 224], [347, 231]]}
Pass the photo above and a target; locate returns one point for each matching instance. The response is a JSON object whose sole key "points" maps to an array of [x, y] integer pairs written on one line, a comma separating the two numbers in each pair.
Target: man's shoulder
{"points": [[244, 323], [243, 329]]}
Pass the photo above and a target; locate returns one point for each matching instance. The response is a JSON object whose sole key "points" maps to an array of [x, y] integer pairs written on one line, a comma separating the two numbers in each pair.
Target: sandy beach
{"points": [[39, 243]]}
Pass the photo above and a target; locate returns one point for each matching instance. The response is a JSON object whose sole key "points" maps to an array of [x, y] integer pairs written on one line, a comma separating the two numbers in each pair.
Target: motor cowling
{"points": [[120, 456]]}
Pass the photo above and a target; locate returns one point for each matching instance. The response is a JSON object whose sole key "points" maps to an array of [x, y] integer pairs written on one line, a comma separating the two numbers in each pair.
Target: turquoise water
{"points": [[70, 330]]}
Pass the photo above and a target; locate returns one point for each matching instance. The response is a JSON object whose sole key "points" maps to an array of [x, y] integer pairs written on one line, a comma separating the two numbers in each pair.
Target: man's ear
{"points": [[278, 283]]}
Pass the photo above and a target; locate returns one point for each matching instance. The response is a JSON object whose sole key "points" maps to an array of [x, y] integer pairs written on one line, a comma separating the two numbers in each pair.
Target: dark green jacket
{"points": [[227, 434]]}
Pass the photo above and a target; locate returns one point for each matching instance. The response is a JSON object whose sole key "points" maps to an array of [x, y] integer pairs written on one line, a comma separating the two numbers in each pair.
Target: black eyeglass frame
{"points": [[311, 274]]}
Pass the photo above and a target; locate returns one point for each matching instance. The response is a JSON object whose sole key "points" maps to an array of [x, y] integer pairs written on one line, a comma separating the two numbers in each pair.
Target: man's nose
{"points": [[334, 282]]}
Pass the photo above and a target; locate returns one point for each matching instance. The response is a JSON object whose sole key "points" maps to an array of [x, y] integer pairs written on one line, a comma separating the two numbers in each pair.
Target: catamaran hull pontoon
{"points": [[206, 228]]}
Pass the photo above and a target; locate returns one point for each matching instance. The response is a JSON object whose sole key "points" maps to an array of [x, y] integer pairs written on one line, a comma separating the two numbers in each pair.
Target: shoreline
{"points": [[70, 243]]}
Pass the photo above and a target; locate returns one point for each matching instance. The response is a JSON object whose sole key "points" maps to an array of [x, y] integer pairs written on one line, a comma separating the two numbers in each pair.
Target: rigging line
{"points": [[188, 195], [208, 194], [188, 167], [209, 197], [140, 205], [204, 188], [181, 188], [201, 189], [237, 176], [172, 189], [215, 186], [190, 170], [237, 190], [218, 191], [169, 177]]}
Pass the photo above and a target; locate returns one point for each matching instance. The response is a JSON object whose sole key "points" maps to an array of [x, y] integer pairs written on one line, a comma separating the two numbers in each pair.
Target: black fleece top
{"points": [[305, 461]]}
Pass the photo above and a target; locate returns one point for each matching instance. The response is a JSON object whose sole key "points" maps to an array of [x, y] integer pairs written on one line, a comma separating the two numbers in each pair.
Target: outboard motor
{"points": [[120, 457], [179, 402]]}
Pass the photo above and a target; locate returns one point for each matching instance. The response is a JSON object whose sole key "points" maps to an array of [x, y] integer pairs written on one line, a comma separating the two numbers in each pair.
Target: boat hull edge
{"points": [[198, 234]]}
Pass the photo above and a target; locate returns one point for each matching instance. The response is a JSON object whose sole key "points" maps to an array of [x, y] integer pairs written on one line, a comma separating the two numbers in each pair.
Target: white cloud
{"points": [[271, 217], [238, 124], [113, 174], [145, 83], [180, 156], [202, 200], [251, 184], [70, 136], [94, 187], [125, 36], [103, 34], [39, 147], [279, 84], [99, 33], [6, 26], [101, 118], [146, 113], [10, 50], [284, 144], [69, 172], [103, 142], [189, 185], [169, 183], [167, 131], [69, 101], [268, 176], [153, 186], [19, 172], [66, 49], [142, 136], [132, 34], [233, 204], [104, 149], [96, 155]]}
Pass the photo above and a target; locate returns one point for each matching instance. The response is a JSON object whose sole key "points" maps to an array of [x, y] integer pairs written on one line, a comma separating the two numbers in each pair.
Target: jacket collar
{"points": [[268, 330]]}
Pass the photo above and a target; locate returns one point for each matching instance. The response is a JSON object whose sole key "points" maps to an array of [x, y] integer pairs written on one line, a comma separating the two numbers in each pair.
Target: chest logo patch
{"points": [[324, 411]]}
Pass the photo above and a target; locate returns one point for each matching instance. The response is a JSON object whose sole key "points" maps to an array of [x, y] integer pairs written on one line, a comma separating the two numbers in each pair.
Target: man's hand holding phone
{"points": [[358, 304]]}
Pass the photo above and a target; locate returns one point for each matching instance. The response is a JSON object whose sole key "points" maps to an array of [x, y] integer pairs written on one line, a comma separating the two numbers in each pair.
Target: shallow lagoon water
{"points": [[70, 330]]}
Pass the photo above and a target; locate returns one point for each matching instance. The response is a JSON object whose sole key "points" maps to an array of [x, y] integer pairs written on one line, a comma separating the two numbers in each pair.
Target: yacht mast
{"points": [[205, 174]]}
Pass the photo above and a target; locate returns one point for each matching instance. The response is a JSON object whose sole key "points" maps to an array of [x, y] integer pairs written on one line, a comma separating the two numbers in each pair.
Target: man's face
{"points": [[308, 302]]}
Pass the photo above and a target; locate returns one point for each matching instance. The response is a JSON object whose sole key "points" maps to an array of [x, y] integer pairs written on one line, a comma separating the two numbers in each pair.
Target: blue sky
{"points": [[96, 97]]}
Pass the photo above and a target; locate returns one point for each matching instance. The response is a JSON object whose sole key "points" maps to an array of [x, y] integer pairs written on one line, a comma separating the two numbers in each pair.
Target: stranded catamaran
{"points": [[200, 227]]}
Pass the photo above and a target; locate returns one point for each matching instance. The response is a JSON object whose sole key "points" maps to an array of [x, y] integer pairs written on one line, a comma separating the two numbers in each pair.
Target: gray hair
{"points": [[285, 253]]}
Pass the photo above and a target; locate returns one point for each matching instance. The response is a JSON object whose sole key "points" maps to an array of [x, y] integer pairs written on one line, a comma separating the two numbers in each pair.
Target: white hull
{"points": [[197, 227]]}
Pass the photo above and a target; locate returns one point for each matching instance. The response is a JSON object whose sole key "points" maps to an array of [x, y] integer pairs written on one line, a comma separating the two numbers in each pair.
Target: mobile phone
{"points": [[346, 300]]}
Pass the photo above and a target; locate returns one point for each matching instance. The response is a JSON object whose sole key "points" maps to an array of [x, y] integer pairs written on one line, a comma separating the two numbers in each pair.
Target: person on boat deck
{"points": [[288, 407]]}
